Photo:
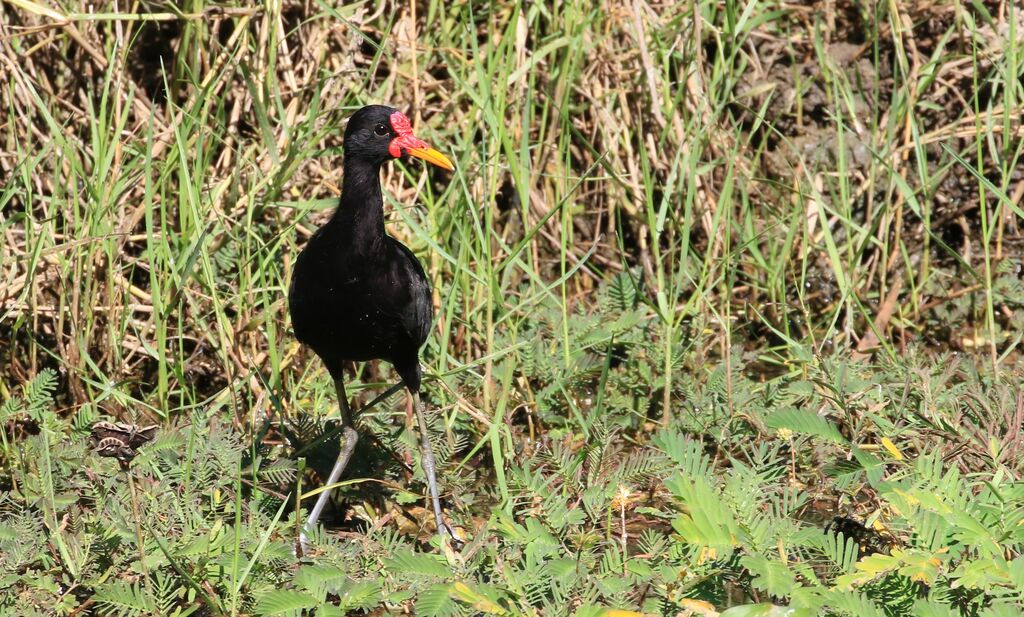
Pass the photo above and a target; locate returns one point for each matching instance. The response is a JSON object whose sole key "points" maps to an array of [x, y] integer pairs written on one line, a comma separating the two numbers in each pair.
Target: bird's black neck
{"points": [[360, 214]]}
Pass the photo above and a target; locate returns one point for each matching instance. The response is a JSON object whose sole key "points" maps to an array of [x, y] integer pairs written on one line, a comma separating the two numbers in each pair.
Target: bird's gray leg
{"points": [[350, 436], [430, 469]]}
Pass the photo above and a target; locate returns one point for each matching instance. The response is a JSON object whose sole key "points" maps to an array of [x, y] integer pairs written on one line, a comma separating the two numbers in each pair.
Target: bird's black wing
{"points": [[417, 313]]}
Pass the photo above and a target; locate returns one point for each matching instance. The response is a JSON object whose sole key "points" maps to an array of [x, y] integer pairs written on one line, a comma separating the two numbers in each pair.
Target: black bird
{"points": [[358, 294]]}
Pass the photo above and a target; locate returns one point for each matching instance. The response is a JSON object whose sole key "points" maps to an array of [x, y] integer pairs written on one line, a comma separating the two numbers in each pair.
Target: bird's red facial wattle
{"points": [[414, 146]]}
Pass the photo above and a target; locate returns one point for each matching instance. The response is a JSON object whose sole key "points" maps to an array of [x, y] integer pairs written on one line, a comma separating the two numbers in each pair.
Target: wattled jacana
{"points": [[358, 294]]}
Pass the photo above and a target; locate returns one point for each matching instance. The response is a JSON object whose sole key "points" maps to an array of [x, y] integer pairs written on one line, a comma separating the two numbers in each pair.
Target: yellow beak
{"points": [[431, 156]]}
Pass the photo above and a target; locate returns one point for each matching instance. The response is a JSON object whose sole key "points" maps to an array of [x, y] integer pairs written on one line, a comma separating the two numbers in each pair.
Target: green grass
{"points": [[707, 275]]}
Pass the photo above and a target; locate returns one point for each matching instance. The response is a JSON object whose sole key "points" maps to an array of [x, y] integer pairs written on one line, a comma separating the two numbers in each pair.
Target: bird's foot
{"points": [[451, 545], [458, 543], [302, 547], [448, 533]]}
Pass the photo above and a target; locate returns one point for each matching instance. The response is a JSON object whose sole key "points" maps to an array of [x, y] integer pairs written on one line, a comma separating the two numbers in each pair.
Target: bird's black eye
{"points": [[381, 129]]}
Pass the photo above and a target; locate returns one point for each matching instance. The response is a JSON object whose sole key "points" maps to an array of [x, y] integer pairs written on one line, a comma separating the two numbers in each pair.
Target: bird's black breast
{"points": [[360, 306]]}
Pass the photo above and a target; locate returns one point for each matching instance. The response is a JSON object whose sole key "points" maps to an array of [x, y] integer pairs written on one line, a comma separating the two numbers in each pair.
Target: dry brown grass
{"points": [[114, 113]]}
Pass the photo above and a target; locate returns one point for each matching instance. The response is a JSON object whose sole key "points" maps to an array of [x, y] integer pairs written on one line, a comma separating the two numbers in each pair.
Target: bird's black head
{"points": [[377, 133]]}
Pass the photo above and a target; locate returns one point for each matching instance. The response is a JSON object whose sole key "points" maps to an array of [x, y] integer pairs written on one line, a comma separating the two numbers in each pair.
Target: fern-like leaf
{"points": [[120, 599], [284, 603]]}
